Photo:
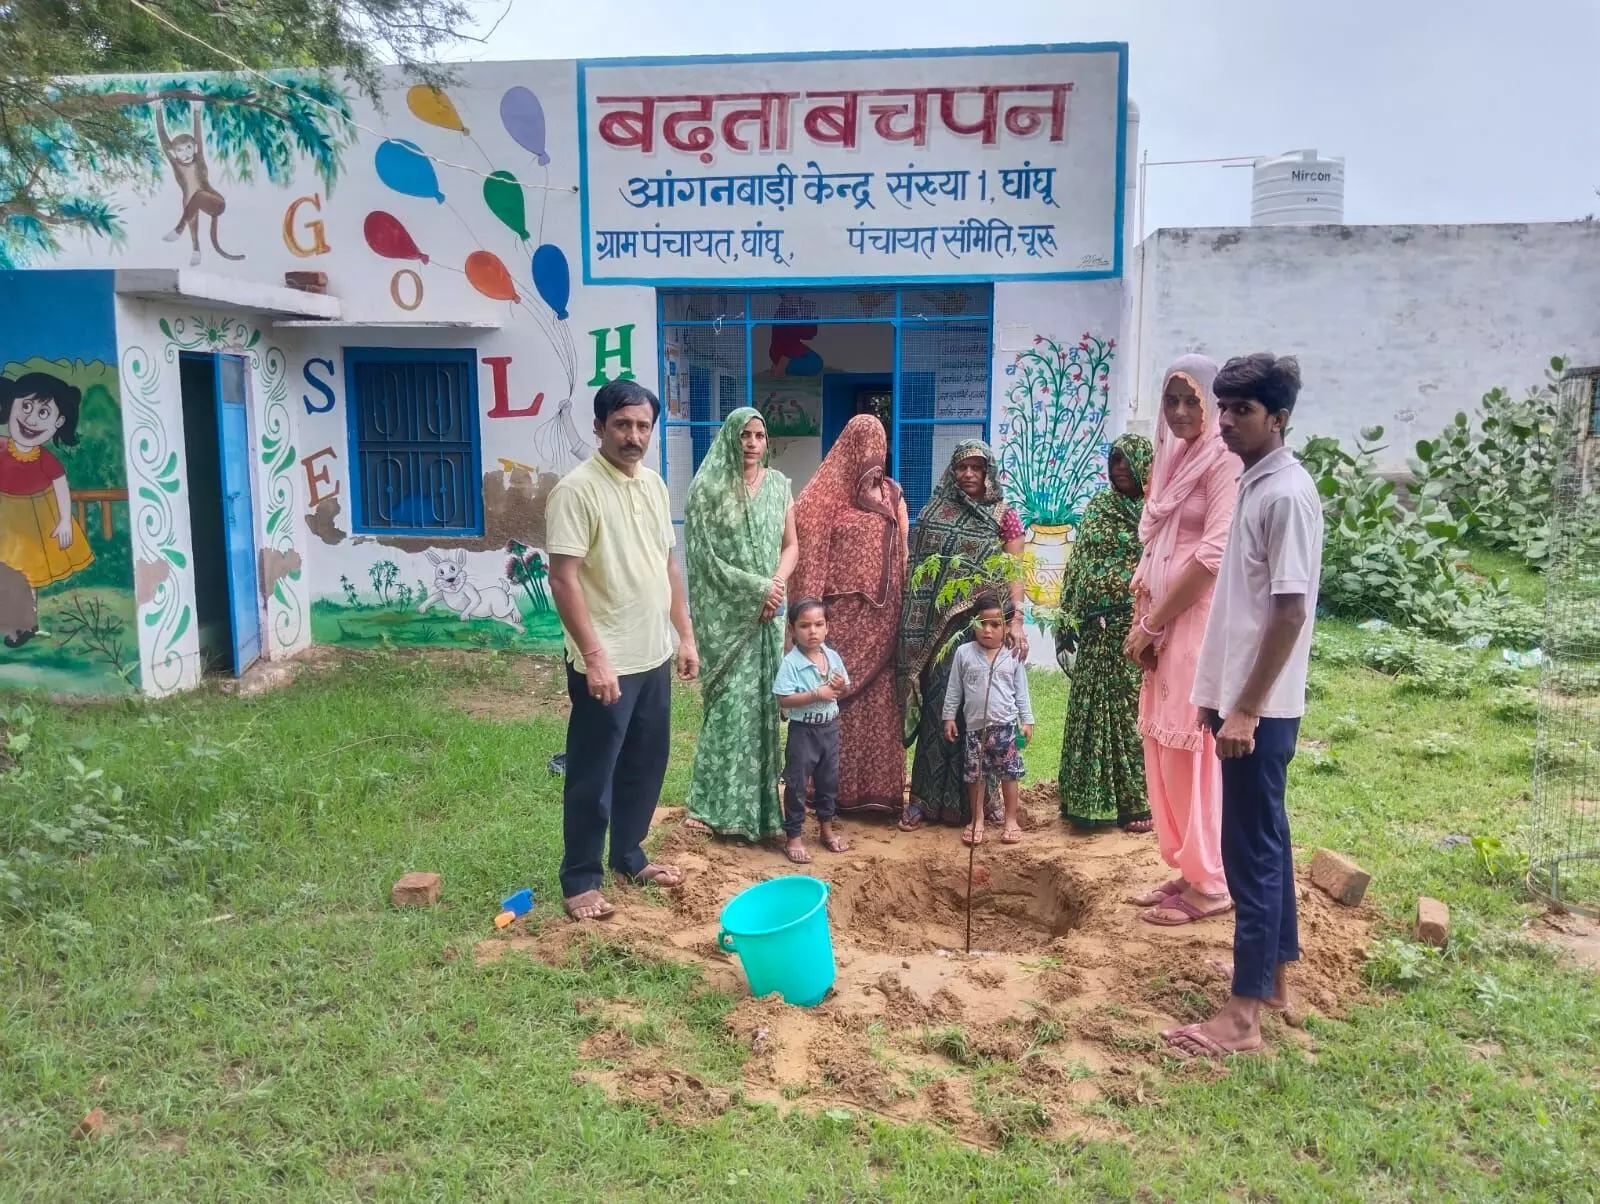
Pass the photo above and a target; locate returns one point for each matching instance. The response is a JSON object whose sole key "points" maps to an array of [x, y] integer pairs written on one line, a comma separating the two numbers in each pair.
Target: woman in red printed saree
{"points": [[851, 522]]}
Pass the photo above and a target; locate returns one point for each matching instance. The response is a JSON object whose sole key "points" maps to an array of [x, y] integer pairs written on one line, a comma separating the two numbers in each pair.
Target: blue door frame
{"points": [[238, 510]]}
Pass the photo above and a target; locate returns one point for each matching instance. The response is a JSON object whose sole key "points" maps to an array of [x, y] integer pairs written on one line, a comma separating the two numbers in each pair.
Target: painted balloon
{"points": [[523, 116], [552, 278], [389, 238], [433, 106], [404, 168], [488, 275], [503, 195]]}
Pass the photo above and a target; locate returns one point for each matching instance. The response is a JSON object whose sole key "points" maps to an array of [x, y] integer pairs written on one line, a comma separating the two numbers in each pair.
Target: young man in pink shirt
{"points": [[1250, 686]]}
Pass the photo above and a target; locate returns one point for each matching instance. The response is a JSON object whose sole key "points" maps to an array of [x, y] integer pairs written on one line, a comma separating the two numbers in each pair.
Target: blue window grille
{"points": [[413, 417], [942, 368]]}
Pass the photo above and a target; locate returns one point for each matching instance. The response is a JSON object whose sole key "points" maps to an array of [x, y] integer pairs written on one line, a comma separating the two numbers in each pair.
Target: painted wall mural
{"points": [[407, 169], [191, 133], [1053, 445], [792, 406], [163, 589], [488, 602], [66, 586]]}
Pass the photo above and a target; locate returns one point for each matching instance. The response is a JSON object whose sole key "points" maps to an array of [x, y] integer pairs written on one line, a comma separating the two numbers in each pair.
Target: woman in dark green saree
{"points": [[1102, 754]]}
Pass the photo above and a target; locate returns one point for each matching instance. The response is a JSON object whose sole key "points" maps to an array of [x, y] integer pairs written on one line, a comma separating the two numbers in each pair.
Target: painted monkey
{"points": [[187, 155]]}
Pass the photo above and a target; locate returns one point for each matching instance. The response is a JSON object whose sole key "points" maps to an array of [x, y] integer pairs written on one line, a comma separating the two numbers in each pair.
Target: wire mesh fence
{"points": [[1564, 854]]}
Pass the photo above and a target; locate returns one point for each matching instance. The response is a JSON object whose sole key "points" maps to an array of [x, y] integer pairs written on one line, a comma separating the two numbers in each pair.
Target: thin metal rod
{"points": [[1224, 159], [1145, 163], [972, 850]]}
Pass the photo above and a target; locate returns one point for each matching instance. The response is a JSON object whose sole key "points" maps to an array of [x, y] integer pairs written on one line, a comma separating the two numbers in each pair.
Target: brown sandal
{"points": [[797, 852], [835, 843], [667, 877], [591, 905]]}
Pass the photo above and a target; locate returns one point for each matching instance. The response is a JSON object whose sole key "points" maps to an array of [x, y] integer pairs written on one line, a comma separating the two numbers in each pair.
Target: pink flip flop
{"points": [[1166, 890], [1190, 911]]}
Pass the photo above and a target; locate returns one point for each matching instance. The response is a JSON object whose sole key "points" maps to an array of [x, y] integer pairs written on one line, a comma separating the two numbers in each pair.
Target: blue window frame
{"points": [[414, 443], [943, 351]]}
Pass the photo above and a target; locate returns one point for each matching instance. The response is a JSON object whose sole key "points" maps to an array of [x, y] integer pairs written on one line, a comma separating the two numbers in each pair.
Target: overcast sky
{"points": [[1471, 111]]}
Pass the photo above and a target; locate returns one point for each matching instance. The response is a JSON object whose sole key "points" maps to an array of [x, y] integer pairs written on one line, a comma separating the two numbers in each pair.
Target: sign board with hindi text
{"points": [[973, 164]]}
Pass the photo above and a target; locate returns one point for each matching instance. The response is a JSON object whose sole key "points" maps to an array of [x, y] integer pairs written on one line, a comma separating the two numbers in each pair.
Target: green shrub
{"points": [[1499, 476], [1384, 559]]}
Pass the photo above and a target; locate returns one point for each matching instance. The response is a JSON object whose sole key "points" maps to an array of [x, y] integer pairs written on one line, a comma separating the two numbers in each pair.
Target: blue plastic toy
{"points": [[519, 904]]}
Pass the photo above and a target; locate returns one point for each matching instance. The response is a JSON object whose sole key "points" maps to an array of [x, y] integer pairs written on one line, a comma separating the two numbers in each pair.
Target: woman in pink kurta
{"points": [[1184, 529]]}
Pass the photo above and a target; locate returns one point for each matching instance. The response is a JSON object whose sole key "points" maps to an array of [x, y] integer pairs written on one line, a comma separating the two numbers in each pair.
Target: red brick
{"points": [[91, 1127], [415, 890], [1344, 880], [307, 282], [1433, 922]]}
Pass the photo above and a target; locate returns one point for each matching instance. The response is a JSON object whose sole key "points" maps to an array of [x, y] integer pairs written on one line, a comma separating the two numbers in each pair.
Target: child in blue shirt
{"points": [[809, 682]]}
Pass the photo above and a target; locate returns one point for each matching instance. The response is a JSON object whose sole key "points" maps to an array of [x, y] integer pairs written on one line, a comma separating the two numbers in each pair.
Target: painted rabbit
{"points": [[453, 586]]}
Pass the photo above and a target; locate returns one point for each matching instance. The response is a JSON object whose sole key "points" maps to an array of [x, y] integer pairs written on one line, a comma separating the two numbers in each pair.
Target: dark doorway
{"points": [[846, 394], [222, 538]]}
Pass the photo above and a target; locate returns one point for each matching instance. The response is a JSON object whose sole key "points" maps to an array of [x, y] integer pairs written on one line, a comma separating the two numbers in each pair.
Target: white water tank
{"points": [[1297, 189]]}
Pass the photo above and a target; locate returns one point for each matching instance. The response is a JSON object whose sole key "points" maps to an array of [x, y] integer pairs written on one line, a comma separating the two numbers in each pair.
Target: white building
{"points": [[936, 236]]}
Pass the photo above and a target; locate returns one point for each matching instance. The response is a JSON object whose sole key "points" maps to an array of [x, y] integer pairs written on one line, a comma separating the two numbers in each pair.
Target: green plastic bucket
{"points": [[779, 929]]}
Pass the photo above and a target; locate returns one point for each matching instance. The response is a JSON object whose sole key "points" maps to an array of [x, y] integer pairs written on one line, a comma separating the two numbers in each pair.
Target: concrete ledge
{"points": [[224, 292]]}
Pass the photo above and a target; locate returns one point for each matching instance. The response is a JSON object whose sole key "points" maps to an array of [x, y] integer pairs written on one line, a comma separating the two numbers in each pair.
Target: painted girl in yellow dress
{"points": [[39, 537]]}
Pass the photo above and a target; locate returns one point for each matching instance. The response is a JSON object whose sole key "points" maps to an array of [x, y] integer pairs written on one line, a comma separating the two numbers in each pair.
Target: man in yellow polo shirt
{"points": [[621, 598]]}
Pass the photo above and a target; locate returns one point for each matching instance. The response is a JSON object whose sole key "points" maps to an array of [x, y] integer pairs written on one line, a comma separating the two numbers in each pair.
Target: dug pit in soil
{"points": [[1060, 1003], [1018, 905]]}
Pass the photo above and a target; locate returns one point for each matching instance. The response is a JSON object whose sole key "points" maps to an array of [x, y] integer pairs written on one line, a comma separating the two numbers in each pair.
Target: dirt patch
{"points": [[527, 686], [678, 1094], [1060, 1002], [1576, 936]]}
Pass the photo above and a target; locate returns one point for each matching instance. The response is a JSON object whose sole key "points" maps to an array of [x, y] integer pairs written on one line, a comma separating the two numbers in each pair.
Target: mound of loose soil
{"points": [[1060, 1001]]}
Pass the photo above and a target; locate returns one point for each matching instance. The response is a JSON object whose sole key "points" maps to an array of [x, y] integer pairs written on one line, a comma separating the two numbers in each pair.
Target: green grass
{"points": [[233, 990], [1507, 565]]}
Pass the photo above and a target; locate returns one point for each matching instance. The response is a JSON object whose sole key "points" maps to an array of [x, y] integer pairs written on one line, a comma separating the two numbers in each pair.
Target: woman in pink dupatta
{"points": [[1184, 530]]}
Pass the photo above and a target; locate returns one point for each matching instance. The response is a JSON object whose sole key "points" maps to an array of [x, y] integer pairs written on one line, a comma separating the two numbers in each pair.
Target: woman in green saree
{"points": [[740, 547], [1102, 753]]}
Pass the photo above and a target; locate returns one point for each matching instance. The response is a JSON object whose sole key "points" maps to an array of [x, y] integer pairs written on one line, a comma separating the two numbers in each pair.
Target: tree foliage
{"points": [[69, 136]]}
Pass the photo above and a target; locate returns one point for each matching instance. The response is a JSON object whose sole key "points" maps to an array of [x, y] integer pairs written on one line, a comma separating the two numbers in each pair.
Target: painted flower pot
{"points": [[1048, 548]]}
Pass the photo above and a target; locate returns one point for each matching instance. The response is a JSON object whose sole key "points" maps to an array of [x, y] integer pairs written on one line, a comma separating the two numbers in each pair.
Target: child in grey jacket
{"points": [[989, 688]]}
